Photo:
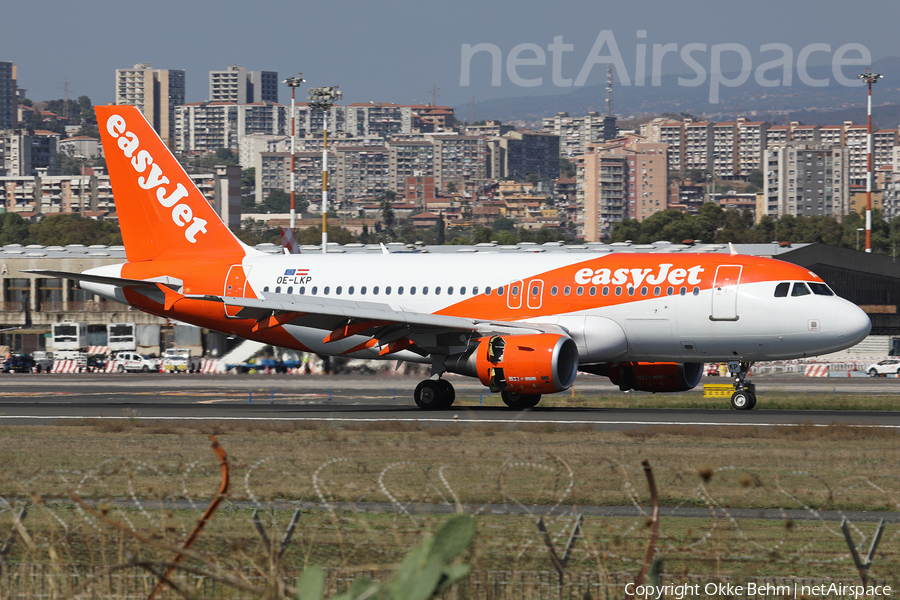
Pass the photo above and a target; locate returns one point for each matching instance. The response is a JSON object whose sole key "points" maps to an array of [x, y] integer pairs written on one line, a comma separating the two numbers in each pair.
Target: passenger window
{"points": [[500, 291], [375, 290], [579, 290], [487, 291], [567, 290], [437, 291], [278, 289], [606, 290], [475, 290], [362, 290], [643, 290], [515, 290], [696, 291], [412, 290], [350, 290], [554, 290], [326, 290], [657, 291], [670, 290], [338, 290], [800, 289], [315, 290], [682, 291], [400, 290], [781, 290], [290, 290], [593, 291], [387, 290], [630, 291], [266, 289], [302, 290], [462, 291], [820, 289], [450, 291], [618, 290]]}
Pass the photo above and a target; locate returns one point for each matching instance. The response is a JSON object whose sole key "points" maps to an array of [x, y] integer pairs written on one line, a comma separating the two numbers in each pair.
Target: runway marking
{"points": [[453, 420]]}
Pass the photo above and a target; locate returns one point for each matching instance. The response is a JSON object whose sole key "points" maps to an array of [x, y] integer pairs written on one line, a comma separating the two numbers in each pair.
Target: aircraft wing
{"points": [[384, 324], [117, 281]]}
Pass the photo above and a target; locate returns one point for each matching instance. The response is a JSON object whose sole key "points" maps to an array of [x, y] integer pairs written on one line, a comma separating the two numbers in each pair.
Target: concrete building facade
{"points": [[156, 92], [9, 100], [237, 84]]}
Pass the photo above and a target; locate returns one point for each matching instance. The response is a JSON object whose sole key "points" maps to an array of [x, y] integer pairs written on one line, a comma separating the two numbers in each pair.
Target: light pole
{"points": [[294, 83], [869, 77], [82, 158], [322, 98], [858, 229]]}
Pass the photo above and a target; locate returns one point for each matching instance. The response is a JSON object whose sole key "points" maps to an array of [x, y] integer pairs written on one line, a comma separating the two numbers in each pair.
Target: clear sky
{"points": [[396, 51]]}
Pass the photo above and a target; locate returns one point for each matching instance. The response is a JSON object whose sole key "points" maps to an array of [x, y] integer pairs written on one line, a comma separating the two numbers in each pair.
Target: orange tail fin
{"points": [[161, 212]]}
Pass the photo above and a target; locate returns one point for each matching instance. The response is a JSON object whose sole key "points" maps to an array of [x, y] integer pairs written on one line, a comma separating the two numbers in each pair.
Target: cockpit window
{"points": [[820, 289], [800, 289], [781, 290]]}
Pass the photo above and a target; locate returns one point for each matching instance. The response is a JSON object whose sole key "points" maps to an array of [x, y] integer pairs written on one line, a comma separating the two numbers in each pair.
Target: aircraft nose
{"points": [[853, 325]]}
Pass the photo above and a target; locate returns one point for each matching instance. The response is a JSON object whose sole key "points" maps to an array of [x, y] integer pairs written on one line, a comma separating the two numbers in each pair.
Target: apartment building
{"points": [[156, 92], [375, 119], [575, 133], [273, 172], [806, 134], [806, 180], [833, 135], [461, 159], [237, 84], [698, 145], [883, 143], [207, 126], [9, 101], [409, 158], [362, 171], [672, 134], [489, 129], [602, 192], [752, 140], [25, 155], [724, 149], [778, 134], [518, 154]]}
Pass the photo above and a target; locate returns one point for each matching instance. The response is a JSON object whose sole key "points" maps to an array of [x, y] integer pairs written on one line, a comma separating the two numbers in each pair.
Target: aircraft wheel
{"points": [[429, 395], [743, 400], [520, 401], [448, 393]]}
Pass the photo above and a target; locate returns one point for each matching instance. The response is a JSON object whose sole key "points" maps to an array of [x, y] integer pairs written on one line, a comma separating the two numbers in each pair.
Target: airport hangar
{"points": [[869, 280]]}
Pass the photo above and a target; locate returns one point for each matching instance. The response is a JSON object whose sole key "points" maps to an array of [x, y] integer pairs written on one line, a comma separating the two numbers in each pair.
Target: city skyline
{"points": [[525, 42]]}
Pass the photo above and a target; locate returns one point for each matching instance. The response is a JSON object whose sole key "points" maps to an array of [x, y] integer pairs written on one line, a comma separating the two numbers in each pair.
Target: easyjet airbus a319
{"points": [[522, 324]]}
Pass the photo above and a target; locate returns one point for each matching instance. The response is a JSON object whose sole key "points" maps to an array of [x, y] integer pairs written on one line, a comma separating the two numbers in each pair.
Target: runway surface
{"points": [[43, 399]]}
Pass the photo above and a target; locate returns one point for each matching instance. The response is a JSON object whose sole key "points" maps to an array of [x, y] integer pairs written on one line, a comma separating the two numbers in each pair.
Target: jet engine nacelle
{"points": [[655, 377], [542, 363]]}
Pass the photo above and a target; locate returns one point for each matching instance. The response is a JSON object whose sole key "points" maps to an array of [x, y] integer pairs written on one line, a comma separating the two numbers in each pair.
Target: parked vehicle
{"points": [[18, 363], [177, 360], [134, 362], [120, 337], [43, 361], [888, 365]]}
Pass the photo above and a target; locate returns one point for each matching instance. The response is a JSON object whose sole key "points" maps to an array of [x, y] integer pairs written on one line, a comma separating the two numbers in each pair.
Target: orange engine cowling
{"points": [[542, 363], [655, 377]]}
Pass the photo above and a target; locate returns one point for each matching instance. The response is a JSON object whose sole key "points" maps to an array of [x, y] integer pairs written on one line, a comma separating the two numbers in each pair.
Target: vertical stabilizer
{"points": [[161, 212]]}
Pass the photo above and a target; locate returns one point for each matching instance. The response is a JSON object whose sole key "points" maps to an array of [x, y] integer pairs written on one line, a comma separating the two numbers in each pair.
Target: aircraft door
{"points": [[235, 287], [514, 295], [724, 293], [535, 293]]}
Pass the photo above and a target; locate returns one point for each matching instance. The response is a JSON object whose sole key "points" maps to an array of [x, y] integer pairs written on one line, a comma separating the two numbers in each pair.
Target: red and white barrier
{"points": [[65, 366], [98, 350], [816, 370]]}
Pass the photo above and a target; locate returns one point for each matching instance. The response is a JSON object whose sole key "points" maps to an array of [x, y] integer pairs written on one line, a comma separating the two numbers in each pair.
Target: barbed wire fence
{"points": [[114, 530]]}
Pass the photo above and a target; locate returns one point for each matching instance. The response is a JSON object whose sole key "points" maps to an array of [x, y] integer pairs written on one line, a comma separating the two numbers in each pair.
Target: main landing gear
{"points": [[520, 401], [434, 394], [744, 396]]}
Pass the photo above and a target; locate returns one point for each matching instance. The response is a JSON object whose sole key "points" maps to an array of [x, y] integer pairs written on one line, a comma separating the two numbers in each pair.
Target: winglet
{"points": [[731, 247]]}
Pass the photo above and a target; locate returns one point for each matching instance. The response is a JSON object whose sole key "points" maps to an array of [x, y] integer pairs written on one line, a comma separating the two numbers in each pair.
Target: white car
{"points": [[135, 362], [888, 365]]}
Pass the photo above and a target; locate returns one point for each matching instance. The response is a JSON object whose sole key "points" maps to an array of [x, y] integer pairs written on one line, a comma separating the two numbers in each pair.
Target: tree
{"points": [[439, 230], [566, 168], [503, 224], [756, 178], [387, 213], [13, 229], [450, 187], [279, 201]]}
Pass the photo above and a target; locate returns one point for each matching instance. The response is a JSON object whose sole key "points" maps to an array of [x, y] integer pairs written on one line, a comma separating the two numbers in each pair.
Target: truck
{"points": [[69, 339], [120, 337], [177, 360]]}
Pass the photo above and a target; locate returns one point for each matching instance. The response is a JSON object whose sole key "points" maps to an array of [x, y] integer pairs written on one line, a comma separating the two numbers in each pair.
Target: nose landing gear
{"points": [[744, 396]]}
